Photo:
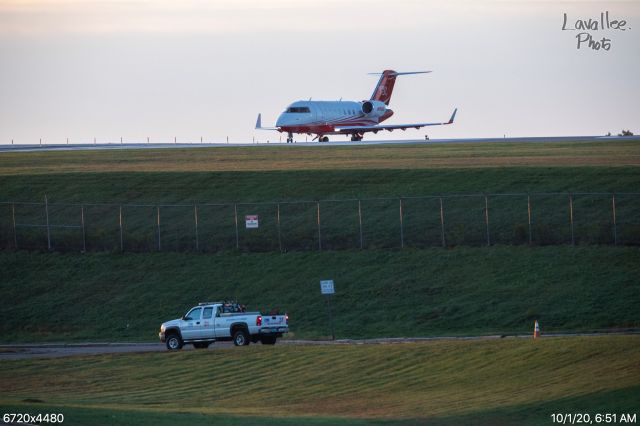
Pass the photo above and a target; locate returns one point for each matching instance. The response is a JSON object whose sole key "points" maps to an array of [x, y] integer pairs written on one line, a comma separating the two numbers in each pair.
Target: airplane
{"points": [[353, 118]]}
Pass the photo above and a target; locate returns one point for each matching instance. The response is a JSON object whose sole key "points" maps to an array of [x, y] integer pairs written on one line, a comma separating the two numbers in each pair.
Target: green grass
{"points": [[420, 291], [256, 175], [292, 173], [380, 293], [464, 216], [511, 381], [459, 155], [225, 187]]}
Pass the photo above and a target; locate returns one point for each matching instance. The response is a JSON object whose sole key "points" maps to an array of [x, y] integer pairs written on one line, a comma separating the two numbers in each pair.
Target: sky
{"points": [[106, 69]]}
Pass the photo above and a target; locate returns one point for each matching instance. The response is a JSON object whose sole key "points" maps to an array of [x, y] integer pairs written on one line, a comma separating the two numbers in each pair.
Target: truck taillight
{"points": [[286, 318], [259, 320]]}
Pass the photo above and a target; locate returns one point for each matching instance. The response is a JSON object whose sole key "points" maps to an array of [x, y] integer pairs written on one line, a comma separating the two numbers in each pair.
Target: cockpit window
{"points": [[298, 109]]}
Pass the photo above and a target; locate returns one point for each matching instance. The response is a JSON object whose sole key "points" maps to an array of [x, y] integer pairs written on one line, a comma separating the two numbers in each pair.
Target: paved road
{"points": [[119, 146], [56, 350]]}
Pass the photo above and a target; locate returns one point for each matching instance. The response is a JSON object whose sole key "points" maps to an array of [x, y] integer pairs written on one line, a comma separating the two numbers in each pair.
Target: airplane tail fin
{"points": [[384, 88]]}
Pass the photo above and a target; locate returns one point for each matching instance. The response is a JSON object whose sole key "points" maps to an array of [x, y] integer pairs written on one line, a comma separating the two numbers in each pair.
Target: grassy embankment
{"points": [[381, 293], [609, 153], [294, 173], [426, 292], [253, 175], [512, 381]]}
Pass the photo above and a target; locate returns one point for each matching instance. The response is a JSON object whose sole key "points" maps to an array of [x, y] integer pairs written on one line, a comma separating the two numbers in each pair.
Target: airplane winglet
{"points": [[453, 116], [259, 124]]}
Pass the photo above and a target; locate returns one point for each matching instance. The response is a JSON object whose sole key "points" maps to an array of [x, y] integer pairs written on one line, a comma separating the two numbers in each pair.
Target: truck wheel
{"points": [[268, 340], [241, 338], [174, 342], [201, 345]]}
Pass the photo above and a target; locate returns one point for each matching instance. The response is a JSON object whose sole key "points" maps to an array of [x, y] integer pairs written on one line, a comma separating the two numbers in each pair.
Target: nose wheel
{"points": [[356, 137], [290, 137]]}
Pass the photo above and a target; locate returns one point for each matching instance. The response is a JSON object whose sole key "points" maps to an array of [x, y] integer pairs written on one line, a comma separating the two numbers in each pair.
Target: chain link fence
{"points": [[373, 223]]}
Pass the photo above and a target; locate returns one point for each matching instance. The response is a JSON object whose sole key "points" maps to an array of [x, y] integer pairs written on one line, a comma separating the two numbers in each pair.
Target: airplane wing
{"points": [[392, 127], [259, 124]]}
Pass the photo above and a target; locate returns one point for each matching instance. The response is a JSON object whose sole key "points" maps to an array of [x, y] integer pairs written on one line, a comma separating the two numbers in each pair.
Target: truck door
{"points": [[208, 331], [192, 324], [222, 327]]}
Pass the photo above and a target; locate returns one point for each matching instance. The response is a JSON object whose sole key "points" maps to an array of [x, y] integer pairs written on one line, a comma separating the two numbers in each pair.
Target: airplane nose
{"points": [[280, 121]]}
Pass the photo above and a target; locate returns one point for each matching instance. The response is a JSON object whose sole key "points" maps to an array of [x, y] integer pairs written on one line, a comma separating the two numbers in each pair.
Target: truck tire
{"points": [[241, 337], [268, 340], [174, 342], [201, 345]]}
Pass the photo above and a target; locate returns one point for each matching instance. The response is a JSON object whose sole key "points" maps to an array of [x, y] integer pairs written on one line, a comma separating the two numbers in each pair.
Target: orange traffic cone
{"points": [[536, 330]]}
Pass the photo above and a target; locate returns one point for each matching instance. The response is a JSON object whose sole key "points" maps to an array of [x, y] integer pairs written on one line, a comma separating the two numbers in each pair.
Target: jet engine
{"points": [[373, 108]]}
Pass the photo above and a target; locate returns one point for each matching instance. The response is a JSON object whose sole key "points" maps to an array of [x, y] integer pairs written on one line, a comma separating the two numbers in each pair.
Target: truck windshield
{"points": [[193, 314]]}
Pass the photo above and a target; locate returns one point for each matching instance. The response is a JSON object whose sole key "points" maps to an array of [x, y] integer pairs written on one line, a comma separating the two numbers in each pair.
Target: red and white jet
{"points": [[345, 117]]}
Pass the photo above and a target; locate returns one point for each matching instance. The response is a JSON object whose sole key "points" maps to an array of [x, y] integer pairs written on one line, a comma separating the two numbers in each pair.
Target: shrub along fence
{"points": [[406, 222]]}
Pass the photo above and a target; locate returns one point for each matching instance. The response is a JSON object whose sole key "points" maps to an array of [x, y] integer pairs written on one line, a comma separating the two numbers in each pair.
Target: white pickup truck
{"points": [[211, 321]]}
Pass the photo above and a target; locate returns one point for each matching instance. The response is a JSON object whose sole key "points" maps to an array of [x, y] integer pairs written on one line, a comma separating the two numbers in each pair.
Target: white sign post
{"points": [[327, 288], [251, 221]]}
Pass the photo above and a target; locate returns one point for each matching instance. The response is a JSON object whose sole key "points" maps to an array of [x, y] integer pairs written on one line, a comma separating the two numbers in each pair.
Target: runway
{"points": [[195, 145]]}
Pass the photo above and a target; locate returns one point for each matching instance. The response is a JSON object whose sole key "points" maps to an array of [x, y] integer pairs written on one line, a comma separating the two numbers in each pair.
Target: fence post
{"points": [[615, 225], [529, 214], [486, 218], [121, 236], [235, 215], [573, 241], [319, 232], [401, 226], [15, 234], [158, 211], [444, 244], [278, 225], [360, 224], [195, 217], [46, 212], [84, 235]]}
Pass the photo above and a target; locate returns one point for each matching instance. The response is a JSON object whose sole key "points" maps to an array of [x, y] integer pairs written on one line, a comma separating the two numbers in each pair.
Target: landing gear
{"points": [[356, 137], [290, 137], [323, 139]]}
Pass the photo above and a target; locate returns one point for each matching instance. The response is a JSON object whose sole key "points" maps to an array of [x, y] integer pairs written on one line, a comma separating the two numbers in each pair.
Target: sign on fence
{"points": [[251, 221]]}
